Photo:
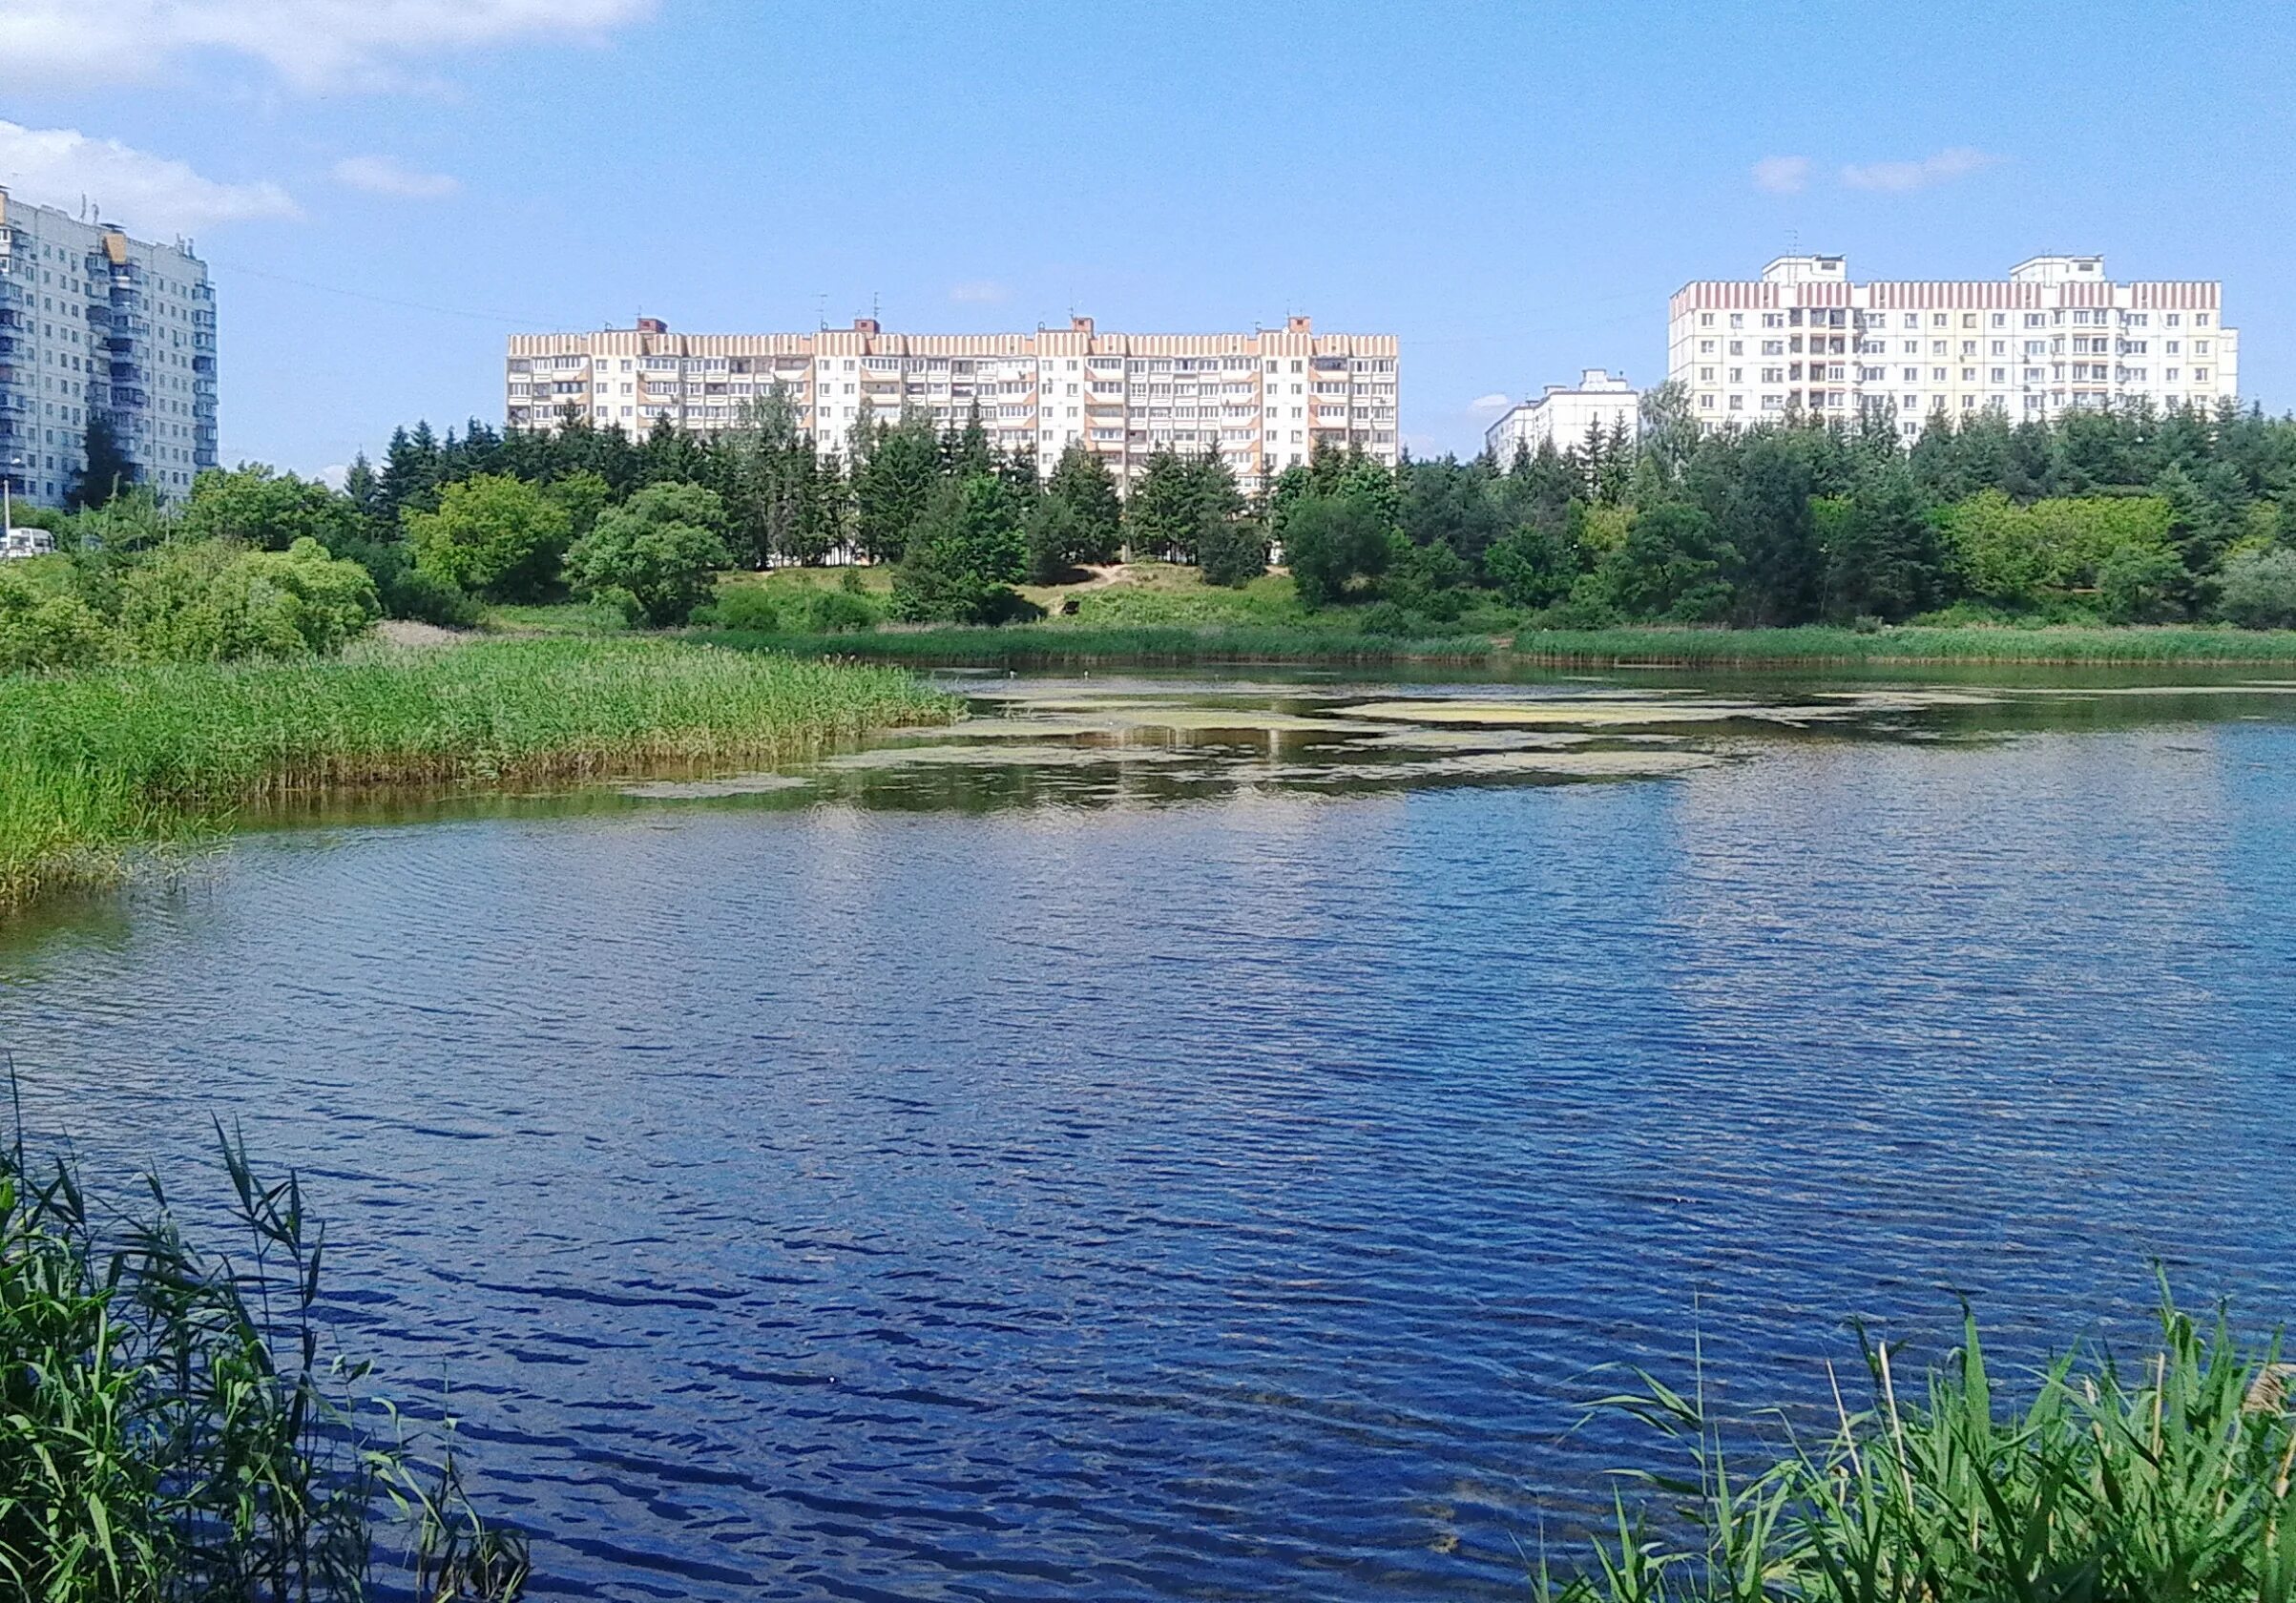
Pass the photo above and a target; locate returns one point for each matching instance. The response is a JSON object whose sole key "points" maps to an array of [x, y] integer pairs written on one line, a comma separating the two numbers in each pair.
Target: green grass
{"points": [[2165, 1480], [552, 617], [105, 763], [1907, 644], [1051, 645], [1047, 645]]}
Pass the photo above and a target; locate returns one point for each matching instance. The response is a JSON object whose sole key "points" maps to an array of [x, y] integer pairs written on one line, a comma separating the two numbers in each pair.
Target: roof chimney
{"points": [[1299, 326], [864, 325], [652, 325], [1079, 324]]}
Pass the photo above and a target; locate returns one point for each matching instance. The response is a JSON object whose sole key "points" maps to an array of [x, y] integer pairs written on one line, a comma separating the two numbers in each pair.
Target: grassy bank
{"points": [[1055, 644], [104, 762], [1051, 645]]}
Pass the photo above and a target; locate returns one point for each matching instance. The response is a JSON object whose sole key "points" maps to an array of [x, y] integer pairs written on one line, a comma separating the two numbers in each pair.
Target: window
{"points": [[1938, 320], [2174, 318], [1738, 347], [1705, 347], [1912, 320], [1705, 320], [1738, 320], [1773, 347], [2000, 375], [2200, 320], [2200, 375], [1738, 403]]}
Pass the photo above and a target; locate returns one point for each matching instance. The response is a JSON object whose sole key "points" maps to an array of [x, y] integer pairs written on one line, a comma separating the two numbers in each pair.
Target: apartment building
{"points": [[1561, 415], [2057, 335], [1266, 399], [94, 322]]}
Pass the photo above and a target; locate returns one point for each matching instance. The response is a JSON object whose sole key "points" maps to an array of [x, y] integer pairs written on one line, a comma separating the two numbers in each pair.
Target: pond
{"points": [[1203, 1135]]}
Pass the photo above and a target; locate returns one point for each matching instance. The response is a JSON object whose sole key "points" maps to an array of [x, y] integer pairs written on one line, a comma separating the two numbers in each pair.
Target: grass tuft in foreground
{"points": [[103, 762], [2162, 1482], [173, 1425]]}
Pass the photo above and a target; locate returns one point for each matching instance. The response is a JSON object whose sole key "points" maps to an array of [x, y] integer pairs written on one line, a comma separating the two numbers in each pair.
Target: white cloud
{"points": [[334, 474], [312, 45], [1495, 402], [1944, 167], [380, 175], [980, 292], [1782, 174], [154, 195]]}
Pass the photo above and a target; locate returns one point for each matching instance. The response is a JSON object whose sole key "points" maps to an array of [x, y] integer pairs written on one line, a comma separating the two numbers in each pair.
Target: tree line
{"points": [[2120, 515]]}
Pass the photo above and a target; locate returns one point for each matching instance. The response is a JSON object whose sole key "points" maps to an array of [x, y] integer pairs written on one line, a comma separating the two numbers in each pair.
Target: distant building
{"points": [[2057, 335], [1266, 399], [94, 323], [1564, 413]]}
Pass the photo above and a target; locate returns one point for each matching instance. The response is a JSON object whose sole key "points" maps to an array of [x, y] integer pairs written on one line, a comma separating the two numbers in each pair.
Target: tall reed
{"points": [[2165, 1480], [96, 764], [175, 1429]]}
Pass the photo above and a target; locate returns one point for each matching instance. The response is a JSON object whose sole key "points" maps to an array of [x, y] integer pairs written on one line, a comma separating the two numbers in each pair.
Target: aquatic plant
{"points": [[2167, 1481], [174, 1425], [105, 761]]}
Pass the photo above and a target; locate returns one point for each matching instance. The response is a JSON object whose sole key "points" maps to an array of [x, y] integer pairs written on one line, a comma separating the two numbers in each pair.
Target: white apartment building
{"points": [[94, 322], [1563, 414], [1264, 399], [2057, 335]]}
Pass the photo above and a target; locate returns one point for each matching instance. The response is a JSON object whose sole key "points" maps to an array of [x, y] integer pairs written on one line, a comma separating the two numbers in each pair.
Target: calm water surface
{"points": [[1191, 1138]]}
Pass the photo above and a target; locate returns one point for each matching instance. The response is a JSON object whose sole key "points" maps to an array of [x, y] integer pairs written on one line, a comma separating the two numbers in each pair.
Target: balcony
{"points": [[99, 317], [11, 402], [130, 399], [13, 294], [203, 365], [203, 341]]}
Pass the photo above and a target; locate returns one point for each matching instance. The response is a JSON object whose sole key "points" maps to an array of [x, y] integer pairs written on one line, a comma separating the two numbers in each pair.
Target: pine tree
{"points": [[108, 471]]}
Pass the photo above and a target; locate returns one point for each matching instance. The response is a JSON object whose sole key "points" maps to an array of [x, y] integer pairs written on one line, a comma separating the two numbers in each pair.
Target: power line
{"points": [[383, 300]]}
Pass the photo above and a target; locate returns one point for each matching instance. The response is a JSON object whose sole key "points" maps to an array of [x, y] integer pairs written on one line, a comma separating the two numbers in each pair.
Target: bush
{"points": [[492, 535], [2258, 589], [46, 625], [213, 602], [656, 556], [1231, 552], [841, 612], [406, 591], [743, 607]]}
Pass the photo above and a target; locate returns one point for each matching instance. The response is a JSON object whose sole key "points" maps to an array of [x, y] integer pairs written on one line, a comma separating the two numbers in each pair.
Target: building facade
{"points": [[94, 323], [1563, 414], [2057, 335], [1266, 399]]}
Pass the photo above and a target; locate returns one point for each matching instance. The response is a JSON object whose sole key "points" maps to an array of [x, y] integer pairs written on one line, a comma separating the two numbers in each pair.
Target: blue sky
{"points": [[386, 188]]}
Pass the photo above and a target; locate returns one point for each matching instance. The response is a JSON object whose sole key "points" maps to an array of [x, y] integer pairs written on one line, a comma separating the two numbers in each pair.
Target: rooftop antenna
{"points": [[873, 311], [821, 309]]}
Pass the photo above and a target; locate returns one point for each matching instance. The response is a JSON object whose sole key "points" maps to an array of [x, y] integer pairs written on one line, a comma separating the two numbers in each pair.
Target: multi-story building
{"points": [[1563, 414], [94, 323], [1266, 399], [2057, 335]]}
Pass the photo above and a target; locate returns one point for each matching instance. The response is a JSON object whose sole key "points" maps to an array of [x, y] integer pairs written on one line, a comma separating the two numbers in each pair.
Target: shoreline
{"points": [[1047, 645]]}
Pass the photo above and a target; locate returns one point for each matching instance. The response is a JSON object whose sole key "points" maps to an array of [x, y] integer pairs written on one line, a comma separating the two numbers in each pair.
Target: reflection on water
{"points": [[1195, 1136]]}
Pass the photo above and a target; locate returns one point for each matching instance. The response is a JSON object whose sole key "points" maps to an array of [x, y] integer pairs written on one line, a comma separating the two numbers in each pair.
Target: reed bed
{"points": [[2166, 1480], [96, 767], [176, 1426]]}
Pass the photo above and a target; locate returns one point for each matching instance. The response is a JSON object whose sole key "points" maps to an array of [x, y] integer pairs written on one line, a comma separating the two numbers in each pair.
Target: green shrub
{"points": [[656, 556], [213, 602], [748, 608], [2258, 589], [492, 535], [841, 612], [46, 624]]}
